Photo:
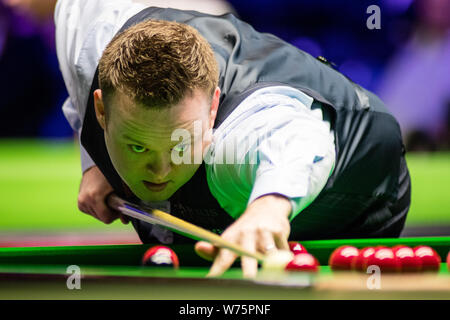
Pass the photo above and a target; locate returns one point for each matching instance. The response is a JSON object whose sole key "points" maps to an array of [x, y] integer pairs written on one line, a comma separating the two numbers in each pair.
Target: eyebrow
{"points": [[143, 144], [134, 140]]}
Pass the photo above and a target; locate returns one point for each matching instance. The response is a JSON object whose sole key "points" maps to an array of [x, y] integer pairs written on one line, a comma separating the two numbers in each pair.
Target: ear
{"points": [[214, 107], [99, 108]]}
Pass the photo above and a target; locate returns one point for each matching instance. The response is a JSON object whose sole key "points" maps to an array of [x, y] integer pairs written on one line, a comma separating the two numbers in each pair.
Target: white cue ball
{"points": [[277, 260]]}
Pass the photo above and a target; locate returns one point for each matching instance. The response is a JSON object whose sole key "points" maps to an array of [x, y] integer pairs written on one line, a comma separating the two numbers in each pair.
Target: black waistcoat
{"points": [[368, 138]]}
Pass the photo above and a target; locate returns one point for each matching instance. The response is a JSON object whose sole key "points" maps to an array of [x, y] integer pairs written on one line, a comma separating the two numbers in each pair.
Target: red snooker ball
{"points": [[296, 247], [341, 258], [303, 262], [409, 262], [385, 259], [359, 261], [431, 261], [160, 256]]}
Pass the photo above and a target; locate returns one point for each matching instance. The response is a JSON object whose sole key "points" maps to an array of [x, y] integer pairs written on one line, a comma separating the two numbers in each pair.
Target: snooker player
{"points": [[230, 129]]}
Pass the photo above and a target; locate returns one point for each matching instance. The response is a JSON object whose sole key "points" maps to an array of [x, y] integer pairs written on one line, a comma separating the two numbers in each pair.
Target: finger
{"points": [[249, 265], [117, 214], [83, 208], [266, 243], [124, 219], [83, 205], [281, 241], [90, 211], [206, 250], [223, 261], [104, 213]]}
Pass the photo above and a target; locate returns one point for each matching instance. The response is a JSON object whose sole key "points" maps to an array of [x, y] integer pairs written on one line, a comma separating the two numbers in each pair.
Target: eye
{"points": [[181, 148], [138, 149]]}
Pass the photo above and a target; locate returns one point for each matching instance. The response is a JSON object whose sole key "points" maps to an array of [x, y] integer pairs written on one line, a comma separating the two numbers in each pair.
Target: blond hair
{"points": [[157, 63]]}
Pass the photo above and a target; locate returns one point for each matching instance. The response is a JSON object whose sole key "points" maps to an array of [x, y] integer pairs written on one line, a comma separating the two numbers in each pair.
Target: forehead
{"points": [[128, 117]]}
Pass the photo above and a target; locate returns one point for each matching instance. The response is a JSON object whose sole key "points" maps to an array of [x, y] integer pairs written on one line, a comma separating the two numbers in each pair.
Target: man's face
{"points": [[145, 145]]}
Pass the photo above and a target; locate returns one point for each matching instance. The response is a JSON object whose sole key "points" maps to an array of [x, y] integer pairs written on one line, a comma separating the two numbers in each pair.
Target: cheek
{"points": [[118, 156]]}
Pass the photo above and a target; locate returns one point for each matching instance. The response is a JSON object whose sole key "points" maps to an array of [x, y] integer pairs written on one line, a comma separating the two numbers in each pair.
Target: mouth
{"points": [[155, 187]]}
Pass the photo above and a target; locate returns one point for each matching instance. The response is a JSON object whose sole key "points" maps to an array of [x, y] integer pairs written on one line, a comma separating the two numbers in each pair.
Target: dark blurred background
{"points": [[406, 62]]}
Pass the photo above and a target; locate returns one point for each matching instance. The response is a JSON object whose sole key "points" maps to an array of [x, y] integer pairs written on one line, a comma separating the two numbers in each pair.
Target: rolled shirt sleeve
{"points": [[296, 162], [83, 30], [281, 143], [73, 117]]}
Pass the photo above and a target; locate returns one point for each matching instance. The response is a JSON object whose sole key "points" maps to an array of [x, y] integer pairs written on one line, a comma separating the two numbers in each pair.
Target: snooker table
{"points": [[114, 272]]}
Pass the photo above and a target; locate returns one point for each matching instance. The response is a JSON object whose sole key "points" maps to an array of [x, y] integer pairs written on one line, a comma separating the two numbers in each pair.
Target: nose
{"points": [[159, 166]]}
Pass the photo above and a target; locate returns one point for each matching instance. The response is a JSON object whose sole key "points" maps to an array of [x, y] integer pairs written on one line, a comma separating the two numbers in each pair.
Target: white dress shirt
{"points": [[283, 145], [273, 142]]}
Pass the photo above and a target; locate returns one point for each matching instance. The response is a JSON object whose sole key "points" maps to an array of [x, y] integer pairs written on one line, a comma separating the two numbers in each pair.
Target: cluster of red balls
{"points": [[302, 261], [397, 259]]}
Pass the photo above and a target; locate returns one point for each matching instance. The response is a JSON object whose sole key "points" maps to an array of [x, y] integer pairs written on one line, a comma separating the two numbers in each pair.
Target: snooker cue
{"points": [[155, 216]]}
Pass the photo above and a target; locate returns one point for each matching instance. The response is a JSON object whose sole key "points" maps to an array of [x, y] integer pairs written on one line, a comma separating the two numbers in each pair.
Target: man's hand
{"points": [[94, 189], [264, 226]]}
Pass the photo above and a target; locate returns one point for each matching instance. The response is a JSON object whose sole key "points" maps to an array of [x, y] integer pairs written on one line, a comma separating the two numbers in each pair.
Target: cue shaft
{"points": [[155, 216]]}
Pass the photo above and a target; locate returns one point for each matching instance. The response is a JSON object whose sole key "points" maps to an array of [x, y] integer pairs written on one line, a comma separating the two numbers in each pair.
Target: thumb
{"points": [[206, 250]]}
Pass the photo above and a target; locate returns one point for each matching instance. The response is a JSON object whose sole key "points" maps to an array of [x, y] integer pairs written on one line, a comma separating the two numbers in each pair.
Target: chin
{"points": [[148, 196], [156, 198]]}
